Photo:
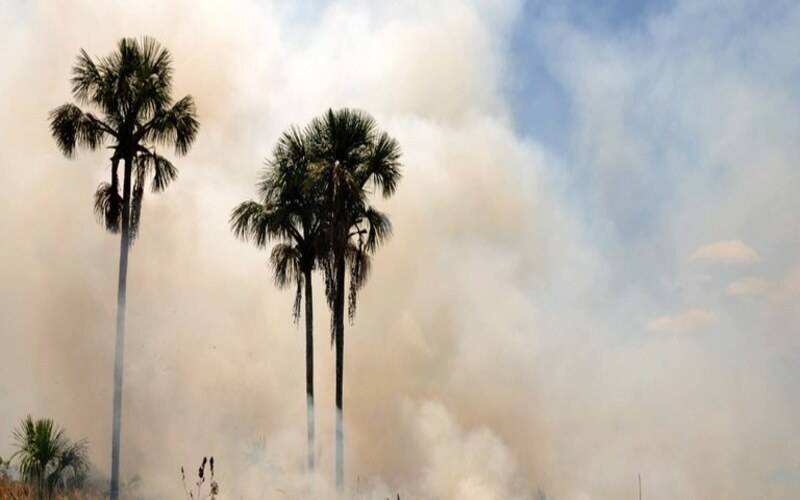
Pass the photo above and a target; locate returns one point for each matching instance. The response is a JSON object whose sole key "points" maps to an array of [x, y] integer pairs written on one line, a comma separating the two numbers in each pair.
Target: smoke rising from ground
{"points": [[502, 344]]}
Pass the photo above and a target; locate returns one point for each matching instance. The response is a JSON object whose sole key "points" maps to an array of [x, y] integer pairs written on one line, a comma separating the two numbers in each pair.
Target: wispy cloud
{"points": [[748, 286], [691, 319], [726, 252]]}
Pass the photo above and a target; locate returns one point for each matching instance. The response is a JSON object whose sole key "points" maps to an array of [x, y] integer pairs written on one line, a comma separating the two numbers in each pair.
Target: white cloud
{"points": [[748, 286], [691, 319], [726, 252]]}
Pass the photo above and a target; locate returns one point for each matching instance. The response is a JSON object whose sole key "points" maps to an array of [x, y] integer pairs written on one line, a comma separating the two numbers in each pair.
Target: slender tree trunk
{"points": [[124, 245], [309, 369], [339, 339]]}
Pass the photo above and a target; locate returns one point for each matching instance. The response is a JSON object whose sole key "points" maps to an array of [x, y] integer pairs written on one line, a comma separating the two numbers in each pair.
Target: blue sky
{"points": [[542, 93], [541, 105]]}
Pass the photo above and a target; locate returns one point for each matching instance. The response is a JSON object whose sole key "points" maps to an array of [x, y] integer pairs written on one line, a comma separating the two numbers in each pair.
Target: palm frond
{"points": [[286, 266], [176, 126], [154, 75], [350, 132], [378, 228], [249, 222], [108, 207], [163, 172], [359, 263], [71, 127], [285, 174], [87, 79], [383, 164]]}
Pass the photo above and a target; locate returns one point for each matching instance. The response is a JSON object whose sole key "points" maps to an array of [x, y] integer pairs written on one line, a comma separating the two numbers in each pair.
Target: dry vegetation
{"points": [[15, 490]]}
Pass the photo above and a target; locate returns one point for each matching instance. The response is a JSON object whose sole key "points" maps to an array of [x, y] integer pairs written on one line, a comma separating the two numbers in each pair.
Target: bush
{"points": [[47, 460]]}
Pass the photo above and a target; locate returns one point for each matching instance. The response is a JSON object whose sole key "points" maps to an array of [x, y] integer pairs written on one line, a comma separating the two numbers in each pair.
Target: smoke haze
{"points": [[548, 316]]}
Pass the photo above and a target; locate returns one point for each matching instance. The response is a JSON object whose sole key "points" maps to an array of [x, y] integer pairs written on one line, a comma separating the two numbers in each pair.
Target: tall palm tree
{"points": [[288, 213], [351, 157], [47, 459], [131, 90]]}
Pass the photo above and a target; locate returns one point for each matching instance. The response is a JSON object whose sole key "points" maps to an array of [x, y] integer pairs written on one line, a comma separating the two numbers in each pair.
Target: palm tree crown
{"points": [[351, 159], [287, 213], [131, 90]]}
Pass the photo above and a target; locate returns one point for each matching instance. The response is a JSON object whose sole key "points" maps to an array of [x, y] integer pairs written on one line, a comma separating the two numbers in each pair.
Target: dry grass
{"points": [[15, 490]]}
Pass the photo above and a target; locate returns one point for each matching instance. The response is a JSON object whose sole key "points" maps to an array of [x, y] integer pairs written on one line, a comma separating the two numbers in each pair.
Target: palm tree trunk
{"points": [[309, 369], [339, 339], [119, 345]]}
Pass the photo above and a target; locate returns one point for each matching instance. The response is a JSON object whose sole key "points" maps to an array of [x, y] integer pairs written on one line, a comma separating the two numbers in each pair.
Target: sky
{"points": [[594, 271]]}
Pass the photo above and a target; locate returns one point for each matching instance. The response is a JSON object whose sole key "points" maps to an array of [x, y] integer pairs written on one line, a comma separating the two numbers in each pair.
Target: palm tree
{"points": [[131, 89], [47, 459], [288, 213], [350, 157]]}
